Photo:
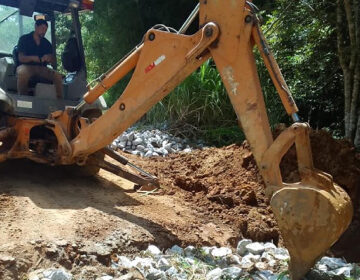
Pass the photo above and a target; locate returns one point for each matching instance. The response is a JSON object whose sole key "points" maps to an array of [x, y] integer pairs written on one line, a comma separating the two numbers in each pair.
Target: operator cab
{"points": [[16, 19]]}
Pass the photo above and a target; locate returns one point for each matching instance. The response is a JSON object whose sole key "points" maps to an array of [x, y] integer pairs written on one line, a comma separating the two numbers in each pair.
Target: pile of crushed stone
{"points": [[150, 143], [250, 260]]}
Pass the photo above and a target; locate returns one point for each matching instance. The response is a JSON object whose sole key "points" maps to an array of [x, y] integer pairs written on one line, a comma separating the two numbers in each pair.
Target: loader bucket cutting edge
{"points": [[311, 219]]}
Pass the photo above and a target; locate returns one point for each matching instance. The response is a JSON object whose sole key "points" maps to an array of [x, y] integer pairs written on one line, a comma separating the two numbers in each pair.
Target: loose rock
{"points": [[255, 248], [50, 274], [241, 247]]}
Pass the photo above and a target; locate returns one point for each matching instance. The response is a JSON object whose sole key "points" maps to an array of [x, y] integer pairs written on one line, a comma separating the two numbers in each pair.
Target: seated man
{"points": [[35, 51]]}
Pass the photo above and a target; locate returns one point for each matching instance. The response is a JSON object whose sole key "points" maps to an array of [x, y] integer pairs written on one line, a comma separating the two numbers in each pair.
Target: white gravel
{"points": [[151, 142], [258, 261]]}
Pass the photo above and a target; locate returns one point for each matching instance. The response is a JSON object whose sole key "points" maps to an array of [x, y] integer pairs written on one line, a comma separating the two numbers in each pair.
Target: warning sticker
{"points": [[155, 63], [24, 104]]}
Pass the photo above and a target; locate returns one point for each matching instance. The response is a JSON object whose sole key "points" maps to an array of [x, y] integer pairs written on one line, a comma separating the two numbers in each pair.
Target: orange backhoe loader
{"points": [[311, 214]]}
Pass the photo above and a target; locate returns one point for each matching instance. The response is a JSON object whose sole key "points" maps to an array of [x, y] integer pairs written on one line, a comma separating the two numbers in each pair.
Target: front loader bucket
{"points": [[311, 219], [311, 214]]}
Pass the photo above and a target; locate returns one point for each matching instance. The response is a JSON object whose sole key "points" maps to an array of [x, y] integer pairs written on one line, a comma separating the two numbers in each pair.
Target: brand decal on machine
{"points": [[155, 63], [24, 104]]}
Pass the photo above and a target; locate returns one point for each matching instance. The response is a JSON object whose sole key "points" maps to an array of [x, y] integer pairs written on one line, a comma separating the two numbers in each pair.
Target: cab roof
{"points": [[28, 7]]}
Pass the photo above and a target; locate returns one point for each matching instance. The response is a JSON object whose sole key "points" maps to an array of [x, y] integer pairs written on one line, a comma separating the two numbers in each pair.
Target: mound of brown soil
{"points": [[225, 183]]}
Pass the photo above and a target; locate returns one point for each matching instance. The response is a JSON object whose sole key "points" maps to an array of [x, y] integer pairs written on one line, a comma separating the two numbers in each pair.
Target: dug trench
{"points": [[213, 196]]}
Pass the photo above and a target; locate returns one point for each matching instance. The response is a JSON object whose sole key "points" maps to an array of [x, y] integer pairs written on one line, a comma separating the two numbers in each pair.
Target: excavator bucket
{"points": [[311, 218], [311, 214]]}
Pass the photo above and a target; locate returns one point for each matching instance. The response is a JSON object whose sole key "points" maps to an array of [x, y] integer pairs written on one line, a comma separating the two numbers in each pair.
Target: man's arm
{"points": [[28, 58], [48, 57]]}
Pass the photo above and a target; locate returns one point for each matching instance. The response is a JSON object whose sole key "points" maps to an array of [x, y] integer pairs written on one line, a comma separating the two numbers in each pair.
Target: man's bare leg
{"points": [[54, 77], [24, 73]]}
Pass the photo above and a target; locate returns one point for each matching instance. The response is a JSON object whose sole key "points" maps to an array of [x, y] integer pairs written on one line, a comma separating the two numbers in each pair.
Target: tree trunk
{"points": [[357, 136], [348, 43]]}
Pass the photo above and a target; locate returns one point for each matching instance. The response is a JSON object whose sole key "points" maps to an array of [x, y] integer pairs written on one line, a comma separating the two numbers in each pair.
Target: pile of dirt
{"points": [[225, 183], [336, 157], [221, 182]]}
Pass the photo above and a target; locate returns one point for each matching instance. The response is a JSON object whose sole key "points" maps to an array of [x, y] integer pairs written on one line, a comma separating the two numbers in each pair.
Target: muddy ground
{"points": [[211, 197]]}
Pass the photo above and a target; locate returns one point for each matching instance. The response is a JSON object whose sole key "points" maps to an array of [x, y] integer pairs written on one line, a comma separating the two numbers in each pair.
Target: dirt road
{"points": [[40, 202], [208, 197]]}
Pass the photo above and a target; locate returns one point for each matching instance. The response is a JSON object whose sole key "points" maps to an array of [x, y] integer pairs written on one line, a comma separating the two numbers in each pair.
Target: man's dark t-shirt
{"points": [[28, 47]]}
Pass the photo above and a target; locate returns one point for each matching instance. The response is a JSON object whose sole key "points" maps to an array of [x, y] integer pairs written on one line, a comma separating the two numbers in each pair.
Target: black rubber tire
{"points": [[89, 169]]}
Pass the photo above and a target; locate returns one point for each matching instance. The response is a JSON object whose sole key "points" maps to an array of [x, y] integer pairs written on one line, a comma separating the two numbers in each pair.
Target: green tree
{"points": [[303, 38], [348, 34]]}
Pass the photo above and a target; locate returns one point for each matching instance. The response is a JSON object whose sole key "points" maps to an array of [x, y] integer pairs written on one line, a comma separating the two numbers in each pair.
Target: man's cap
{"points": [[41, 22]]}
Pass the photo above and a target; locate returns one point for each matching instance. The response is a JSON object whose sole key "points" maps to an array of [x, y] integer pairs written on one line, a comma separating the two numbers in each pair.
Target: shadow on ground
{"points": [[58, 188]]}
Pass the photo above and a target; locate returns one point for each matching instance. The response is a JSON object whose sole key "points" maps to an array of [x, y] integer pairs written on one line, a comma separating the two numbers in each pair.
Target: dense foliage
{"points": [[303, 38]]}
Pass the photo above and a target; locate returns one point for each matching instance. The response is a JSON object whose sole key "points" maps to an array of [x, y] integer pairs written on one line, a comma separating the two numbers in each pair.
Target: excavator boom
{"points": [[311, 214]]}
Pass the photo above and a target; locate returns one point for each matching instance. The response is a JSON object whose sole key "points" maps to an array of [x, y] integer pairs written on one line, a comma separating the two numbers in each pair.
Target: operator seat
{"points": [[75, 83], [70, 58]]}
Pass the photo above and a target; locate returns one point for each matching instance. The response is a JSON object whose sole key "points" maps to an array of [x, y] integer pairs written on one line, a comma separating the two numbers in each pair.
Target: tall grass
{"points": [[199, 107]]}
